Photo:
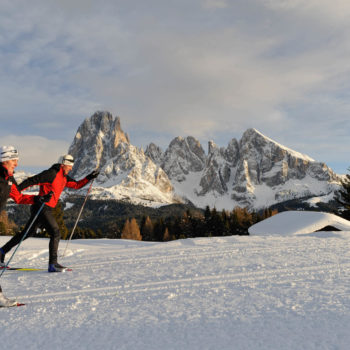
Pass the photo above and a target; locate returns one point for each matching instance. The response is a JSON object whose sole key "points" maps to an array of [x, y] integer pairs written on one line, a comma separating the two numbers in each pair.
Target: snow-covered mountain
{"points": [[255, 171], [125, 171]]}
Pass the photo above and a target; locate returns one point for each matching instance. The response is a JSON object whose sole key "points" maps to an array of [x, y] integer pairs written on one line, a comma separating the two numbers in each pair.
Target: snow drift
{"points": [[298, 222]]}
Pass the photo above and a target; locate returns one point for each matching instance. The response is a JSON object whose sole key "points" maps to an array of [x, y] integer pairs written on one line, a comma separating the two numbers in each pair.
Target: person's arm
{"points": [[71, 183], [20, 198], [46, 176]]}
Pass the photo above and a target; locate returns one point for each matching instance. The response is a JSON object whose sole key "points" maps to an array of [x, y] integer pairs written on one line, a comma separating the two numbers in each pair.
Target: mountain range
{"points": [[254, 172]]}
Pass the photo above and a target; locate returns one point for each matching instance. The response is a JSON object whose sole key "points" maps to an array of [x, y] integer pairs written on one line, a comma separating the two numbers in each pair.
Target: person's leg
{"points": [[18, 236], [51, 226]]}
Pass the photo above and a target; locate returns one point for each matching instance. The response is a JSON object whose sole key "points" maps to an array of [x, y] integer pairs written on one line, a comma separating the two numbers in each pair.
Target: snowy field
{"points": [[252, 292]]}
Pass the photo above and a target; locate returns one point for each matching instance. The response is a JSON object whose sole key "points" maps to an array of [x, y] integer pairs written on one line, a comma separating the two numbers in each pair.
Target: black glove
{"points": [[43, 199], [93, 175]]}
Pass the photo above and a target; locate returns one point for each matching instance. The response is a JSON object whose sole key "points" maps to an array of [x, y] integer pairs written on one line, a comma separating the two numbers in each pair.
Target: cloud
{"points": [[209, 68], [36, 151], [215, 4]]}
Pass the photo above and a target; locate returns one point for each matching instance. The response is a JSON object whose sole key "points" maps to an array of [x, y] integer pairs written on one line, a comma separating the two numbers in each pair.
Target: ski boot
{"points": [[56, 268], [2, 258], [6, 302]]}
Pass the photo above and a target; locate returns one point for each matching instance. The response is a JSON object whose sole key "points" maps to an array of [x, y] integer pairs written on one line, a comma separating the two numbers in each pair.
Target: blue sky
{"points": [[206, 68]]}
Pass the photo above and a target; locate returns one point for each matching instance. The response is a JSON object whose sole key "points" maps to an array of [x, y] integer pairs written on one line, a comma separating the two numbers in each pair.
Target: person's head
{"points": [[67, 163], [9, 158]]}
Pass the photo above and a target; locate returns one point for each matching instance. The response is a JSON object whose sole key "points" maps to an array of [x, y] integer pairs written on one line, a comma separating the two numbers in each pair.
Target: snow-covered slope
{"points": [[242, 293], [298, 222]]}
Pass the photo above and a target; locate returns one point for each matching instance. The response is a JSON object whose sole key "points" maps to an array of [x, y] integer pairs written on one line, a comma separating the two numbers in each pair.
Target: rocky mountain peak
{"points": [[155, 153], [254, 171], [184, 155], [212, 147], [125, 171], [95, 142]]}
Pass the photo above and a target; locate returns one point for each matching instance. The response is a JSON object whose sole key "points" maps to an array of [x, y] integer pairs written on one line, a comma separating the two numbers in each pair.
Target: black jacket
{"points": [[6, 183]]}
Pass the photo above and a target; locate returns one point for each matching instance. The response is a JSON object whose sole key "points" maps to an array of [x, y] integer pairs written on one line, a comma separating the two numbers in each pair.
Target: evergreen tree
{"points": [[343, 197], [226, 223], [216, 223], [176, 228], [99, 233], [147, 228], [186, 227], [158, 232]]}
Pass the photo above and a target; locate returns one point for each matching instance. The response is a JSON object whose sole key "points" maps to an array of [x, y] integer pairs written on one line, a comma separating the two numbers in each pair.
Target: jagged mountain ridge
{"points": [[126, 173], [254, 171]]}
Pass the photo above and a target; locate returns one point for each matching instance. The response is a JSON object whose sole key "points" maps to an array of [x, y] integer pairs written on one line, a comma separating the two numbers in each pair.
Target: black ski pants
{"points": [[45, 220]]}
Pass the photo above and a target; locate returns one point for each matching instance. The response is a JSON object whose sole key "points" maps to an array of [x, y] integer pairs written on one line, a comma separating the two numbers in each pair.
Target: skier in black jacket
{"points": [[52, 180], [9, 189]]}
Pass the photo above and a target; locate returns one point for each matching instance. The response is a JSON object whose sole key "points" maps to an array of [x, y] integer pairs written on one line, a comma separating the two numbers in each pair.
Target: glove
{"points": [[43, 199], [93, 175]]}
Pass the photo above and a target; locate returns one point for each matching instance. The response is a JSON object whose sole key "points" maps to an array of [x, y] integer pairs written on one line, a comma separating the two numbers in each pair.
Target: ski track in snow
{"points": [[207, 293]]}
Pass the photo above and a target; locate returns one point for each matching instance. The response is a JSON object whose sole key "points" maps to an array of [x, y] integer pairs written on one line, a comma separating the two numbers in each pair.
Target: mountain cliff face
{"points": [[125, 171], [254, 171], [96, 142]]}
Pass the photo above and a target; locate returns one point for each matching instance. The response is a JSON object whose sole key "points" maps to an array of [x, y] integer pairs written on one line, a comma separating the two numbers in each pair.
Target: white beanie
{"points": [[67, 160], [8, 153]]}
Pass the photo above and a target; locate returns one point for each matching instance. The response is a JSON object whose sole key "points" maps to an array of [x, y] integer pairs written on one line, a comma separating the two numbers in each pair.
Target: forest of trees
{"points": [[115, 219], [190, 224]]}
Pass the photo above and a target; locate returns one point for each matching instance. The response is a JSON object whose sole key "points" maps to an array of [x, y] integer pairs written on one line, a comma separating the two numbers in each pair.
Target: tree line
{"points": [[190, 224]]}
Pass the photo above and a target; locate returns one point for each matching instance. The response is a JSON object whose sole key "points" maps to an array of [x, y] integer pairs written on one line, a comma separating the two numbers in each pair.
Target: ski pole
{"points": [[76, 222], [23, 237]]}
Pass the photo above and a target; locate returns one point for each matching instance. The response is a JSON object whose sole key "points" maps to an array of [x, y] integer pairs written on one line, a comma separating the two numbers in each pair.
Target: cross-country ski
{"points": [[31, 269]]}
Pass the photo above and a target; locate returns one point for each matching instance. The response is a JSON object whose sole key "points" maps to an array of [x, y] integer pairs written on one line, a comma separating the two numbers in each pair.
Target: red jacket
{"points": [[9, 188], [53, 180]]}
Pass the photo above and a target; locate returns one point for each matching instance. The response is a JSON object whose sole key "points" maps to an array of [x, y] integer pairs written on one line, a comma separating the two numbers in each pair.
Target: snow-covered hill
{"points": [[254, 172], [298, 222], [243, 293]]}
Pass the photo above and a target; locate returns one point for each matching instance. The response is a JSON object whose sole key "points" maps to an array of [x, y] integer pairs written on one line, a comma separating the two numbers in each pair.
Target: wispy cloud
{"points": [[36, 151]]}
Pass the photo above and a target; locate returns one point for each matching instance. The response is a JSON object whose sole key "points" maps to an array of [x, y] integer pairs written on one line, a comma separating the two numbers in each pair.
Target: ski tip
{"points": [[13, 305], [66, 270]]}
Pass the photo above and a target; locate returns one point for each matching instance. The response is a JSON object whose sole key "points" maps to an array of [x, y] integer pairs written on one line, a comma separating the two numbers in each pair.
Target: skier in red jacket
{"points": [[9, 189], [52, 180]]}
